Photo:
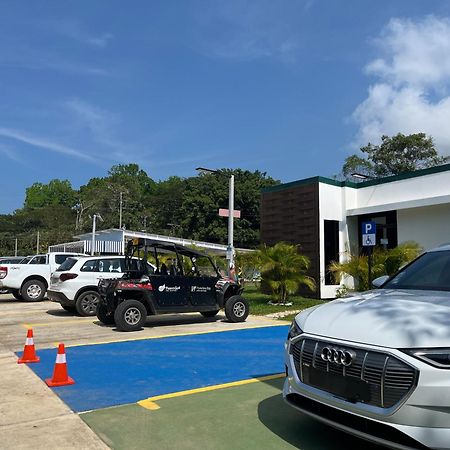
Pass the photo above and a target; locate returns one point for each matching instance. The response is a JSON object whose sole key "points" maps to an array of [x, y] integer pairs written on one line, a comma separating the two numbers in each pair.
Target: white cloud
{"points": [[45, 144], [412, 80]]}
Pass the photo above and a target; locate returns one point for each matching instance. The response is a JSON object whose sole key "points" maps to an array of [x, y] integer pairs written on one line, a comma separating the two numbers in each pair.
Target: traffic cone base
{"points": [[24, 360], [52, 383], [29, 352], [60, 376]]}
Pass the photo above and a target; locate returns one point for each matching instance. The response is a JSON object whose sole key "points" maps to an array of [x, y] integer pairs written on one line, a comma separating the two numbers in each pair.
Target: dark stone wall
{"points": [[292, 215]]}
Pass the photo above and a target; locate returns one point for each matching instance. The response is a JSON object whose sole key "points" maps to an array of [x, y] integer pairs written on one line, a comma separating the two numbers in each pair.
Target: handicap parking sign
{"points": [[369, 234]]}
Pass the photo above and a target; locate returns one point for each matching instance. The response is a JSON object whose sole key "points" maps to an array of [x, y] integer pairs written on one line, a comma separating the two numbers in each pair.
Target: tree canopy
{"points": [[394, 155], [185, 207]]}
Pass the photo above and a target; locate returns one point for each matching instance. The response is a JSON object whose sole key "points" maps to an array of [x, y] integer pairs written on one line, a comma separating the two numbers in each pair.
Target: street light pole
{"points": [[231, 224], [94, 219]]}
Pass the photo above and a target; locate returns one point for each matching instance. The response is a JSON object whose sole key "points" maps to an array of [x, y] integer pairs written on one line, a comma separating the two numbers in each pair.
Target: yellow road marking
{"points": [[190, 333], [149, 403], [59, 322]]}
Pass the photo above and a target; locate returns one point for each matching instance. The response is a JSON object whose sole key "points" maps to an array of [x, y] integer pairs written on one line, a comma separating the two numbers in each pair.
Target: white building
{"points": [[324, 216]]}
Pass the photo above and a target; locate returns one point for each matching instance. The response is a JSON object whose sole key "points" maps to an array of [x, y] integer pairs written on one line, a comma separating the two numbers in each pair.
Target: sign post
{"points": [[369, 240]]}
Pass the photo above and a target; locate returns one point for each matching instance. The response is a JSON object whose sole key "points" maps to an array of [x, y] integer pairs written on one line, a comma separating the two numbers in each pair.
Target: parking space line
{"points": [[58, 322], [150, 403], [161, 336]]}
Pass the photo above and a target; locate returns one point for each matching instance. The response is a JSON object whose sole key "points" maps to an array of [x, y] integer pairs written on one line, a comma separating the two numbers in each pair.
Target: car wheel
{"points": [[69, 308], [104, 316], [209, 313], [87, 302], [130, 315], [33, 291], [4, 291], [237, 309], [16, 294]]}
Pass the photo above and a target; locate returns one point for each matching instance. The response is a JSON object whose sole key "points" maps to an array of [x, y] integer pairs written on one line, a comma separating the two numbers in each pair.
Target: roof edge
{"points": [[362, 184]]}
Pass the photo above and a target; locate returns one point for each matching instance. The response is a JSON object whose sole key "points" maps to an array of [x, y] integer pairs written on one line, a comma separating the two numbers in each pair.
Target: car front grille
{"points": [[374, 378]]}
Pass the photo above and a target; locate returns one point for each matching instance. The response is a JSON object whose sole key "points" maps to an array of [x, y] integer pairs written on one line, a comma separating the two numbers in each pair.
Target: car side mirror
{"points": [[379, 281], [144, 279]]}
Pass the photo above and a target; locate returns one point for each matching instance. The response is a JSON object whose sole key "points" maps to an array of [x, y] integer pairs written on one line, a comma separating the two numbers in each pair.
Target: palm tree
{"points": [[384, 262], [284, 269]]}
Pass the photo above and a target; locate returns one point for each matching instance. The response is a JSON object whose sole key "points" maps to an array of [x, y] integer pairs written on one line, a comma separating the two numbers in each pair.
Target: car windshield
{"points": [[431, 271]]}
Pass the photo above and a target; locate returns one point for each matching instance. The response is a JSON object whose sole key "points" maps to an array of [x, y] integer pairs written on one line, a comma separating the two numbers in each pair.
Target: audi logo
{"points": [[338, 356]]}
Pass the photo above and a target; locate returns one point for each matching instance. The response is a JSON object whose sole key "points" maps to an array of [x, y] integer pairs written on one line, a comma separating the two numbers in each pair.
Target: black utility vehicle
{"points": [[184, 280]]}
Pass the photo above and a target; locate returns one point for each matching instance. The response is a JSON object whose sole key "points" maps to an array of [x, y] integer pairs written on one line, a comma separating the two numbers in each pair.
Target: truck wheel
{"points": [[236, 309], [130, 315], [16, 294], [33, 291], [87, 302], [209, 313], [104, 316]]}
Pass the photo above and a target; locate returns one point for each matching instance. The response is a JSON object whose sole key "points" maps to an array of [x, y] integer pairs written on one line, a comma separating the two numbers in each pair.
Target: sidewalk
{"points": [[33, 417]]}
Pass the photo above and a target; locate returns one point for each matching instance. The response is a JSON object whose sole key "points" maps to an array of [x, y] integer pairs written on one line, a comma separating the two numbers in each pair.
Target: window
{"points": [[39, 259], [59, 259], [110, 265], [89, 266], [430, 271], [67, 264], [331, 240]]}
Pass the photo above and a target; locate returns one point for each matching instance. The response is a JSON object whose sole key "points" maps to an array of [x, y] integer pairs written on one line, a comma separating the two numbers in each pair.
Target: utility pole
{"points": [[37, 243], [15, 247], [120, 210]]}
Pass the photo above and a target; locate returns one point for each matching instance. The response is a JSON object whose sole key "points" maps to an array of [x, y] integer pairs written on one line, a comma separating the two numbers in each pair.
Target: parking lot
{"points": [[182, 382]]}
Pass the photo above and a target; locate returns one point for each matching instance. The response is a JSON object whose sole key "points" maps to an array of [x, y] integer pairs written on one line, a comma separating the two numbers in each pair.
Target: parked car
{"points": [[185, 280], [9, 260], [29, 281], [74, 285], [377, 364]]}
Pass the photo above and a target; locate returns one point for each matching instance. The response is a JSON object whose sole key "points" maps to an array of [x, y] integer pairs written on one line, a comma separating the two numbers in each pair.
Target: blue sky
{"points": [[288, 87]]}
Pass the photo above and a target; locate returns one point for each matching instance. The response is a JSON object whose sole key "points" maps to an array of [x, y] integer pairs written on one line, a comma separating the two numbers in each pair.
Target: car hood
{"points": [[384, 317]]}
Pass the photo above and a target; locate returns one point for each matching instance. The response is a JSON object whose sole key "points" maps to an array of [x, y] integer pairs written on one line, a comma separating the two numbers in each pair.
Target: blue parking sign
{"points": [[369, 234]]}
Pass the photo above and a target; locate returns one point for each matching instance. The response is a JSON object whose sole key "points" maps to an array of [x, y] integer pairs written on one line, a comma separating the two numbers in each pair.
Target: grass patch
{"points": [[259, 302]]}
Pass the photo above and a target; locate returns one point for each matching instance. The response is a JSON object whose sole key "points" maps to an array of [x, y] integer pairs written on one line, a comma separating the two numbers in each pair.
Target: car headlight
{"points": [[437, 357], [294, 330]]}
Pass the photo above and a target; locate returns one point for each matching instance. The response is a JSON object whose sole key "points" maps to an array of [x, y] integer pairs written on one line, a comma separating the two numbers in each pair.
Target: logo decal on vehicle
{"points": [[164, 288], [200, 288]]}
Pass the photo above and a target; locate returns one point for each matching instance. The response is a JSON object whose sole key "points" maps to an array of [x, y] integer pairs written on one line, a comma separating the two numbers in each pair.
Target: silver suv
{"points": [[377, 364]]}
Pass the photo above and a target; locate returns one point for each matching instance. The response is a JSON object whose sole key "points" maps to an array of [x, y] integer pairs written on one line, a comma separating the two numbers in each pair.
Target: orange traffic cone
{"points": [[29, 352], [60, 376]]}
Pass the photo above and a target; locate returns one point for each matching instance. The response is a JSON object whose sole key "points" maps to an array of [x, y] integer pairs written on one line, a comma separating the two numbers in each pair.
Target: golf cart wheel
{"points": [[104, 316], [130, 315], [209, 313], [33, 291], [16, 294], [87, 303], [69, 308], [237, 309]]}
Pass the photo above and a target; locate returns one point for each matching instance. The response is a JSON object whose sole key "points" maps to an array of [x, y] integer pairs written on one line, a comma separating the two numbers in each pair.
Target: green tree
{"points": [[202, 196], [384, 262], [56, 192], [284, 269], [396, 154]]}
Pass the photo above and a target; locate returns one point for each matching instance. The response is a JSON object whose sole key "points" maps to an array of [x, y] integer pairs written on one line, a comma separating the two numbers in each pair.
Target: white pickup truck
{"points": [[30, 281]]}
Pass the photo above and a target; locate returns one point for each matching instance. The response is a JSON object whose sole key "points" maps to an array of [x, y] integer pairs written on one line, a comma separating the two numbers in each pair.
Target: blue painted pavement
{"points": [[126, 372]]}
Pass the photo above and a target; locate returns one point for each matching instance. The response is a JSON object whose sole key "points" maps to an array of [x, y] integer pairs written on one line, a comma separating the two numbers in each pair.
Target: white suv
{"points": [[75, 283]]}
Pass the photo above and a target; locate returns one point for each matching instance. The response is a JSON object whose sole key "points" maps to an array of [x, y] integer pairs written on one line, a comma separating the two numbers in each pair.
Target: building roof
{"points": [[361, 184]]}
